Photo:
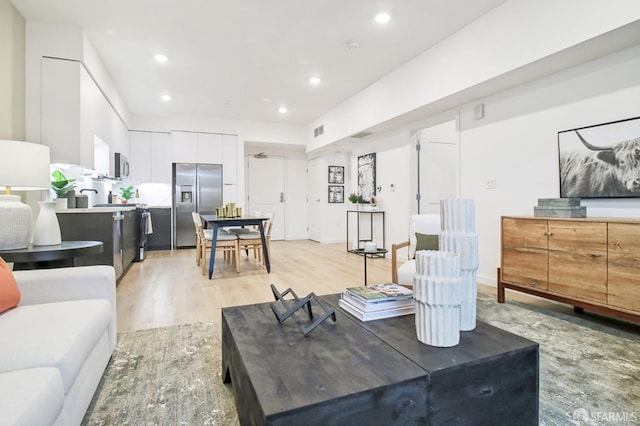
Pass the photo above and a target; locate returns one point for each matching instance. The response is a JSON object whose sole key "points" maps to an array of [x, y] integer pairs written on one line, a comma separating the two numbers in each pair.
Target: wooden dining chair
{"points": [[252, 241], [197, 221], [226, 242]]}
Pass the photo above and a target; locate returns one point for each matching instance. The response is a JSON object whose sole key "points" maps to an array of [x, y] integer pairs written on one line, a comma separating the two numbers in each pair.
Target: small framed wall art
{"points": [[336, 194], [336, 174]]}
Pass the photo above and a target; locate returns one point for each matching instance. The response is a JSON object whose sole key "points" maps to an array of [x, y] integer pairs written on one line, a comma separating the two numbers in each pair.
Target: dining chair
{"points": [[251, 240], [226, 242], [197, 221]]}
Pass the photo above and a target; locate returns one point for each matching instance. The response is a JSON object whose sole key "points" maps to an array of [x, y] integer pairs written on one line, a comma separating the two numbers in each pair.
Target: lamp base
{"points": [[47, 231], [15, 223]]}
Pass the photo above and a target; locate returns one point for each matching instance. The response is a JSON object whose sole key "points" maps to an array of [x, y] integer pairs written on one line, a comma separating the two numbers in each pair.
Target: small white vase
{"points": [[47, 230]]}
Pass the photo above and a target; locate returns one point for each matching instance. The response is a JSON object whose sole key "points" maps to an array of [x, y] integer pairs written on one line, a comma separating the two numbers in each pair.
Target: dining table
{"points": [[223, 222]]}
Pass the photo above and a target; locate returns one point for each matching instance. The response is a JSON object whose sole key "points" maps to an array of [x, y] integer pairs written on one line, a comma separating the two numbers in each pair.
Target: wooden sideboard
{"points": [[590, 263]]}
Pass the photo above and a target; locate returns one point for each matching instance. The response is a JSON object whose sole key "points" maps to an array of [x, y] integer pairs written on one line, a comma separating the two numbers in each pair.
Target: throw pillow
{"points": [[9, 291], [427, 241]]}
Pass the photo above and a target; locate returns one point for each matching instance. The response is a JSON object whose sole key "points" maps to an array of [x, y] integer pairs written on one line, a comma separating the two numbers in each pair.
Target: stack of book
{"points": [[377, 302]]}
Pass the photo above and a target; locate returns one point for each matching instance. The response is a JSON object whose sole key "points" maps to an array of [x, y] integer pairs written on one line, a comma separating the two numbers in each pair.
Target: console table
{"points": [[374, 373], [372, 214]]}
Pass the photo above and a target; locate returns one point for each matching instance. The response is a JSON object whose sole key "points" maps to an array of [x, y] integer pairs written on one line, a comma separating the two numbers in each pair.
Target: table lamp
{"points": [[24, 166]]}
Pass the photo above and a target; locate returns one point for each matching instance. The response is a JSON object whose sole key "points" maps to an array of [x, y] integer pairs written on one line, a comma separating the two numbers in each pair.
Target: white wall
{"points": [[392, 167], [518, 39], [516, 143], [12, 86]]}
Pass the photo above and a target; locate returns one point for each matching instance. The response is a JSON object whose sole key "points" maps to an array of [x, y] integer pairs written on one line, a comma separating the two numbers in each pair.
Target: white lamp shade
{"points": [[24, 166]]}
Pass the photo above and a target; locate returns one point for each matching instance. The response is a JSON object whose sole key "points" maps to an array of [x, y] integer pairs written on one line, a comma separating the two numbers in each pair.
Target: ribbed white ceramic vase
{"points": [[459, 236], [47, 230], [436, 290], [15, 223]]}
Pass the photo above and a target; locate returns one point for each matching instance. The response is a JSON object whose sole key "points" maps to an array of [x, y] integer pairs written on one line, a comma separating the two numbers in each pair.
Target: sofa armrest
{"points": [[394, 259]]}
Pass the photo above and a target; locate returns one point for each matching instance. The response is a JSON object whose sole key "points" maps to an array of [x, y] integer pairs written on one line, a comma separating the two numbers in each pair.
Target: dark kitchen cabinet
{"points": [[119, 235], [161, 237]]}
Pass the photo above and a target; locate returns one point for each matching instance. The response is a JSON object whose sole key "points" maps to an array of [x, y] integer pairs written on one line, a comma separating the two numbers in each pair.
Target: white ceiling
{"points": [[243, 59]]}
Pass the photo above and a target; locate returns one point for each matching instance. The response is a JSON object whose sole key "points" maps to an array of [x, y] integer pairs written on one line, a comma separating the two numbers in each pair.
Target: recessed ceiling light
{"points": [[352, 45], [382, 18], [160, 58], [314, 80], [165, 98], [282, 110]]}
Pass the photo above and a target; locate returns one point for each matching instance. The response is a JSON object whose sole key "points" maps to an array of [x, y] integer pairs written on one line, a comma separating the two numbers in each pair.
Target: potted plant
{"points": [[126, 193], [63, 187], [356, 199]]}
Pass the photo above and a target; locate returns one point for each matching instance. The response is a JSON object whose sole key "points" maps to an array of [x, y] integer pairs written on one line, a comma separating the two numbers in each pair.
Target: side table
{"points": [[54, 256], [371, 254]]}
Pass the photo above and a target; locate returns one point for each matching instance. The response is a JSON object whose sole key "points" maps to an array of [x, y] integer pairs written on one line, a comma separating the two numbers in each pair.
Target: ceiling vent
{"points": [[318, 131], [361, 135]]}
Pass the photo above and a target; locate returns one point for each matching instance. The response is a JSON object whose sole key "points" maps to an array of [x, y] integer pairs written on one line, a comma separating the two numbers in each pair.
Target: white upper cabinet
{"points": [[139, 157], [75, 113], [184, 147], [230, 159], [150, 157], [60, 108], [161, 158], [209, 148]]}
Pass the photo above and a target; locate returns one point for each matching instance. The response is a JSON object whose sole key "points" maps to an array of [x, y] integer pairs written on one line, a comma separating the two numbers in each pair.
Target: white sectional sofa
{"points": [[55, 345]]}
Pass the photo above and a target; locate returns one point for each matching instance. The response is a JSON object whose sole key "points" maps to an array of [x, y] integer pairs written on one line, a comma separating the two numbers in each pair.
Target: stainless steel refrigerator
{"points": [[196, 188]]}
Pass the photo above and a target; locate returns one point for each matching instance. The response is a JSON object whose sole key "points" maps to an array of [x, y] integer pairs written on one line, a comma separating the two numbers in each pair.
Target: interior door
{"points": [[438, 166], [266, 190], [315, 191]]}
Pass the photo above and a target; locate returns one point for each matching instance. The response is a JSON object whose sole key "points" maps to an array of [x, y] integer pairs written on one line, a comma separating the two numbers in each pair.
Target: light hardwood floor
{"points": [[168, 289]]}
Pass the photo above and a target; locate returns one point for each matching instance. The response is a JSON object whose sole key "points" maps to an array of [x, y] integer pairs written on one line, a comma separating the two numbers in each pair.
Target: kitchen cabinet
{"points": [[184, 147], [61, 111], [140, 157], [210, 148], [161, 237], [130, 237], [118, 236], [75, 113], [161, 158], [230, 159], [150, 157], [194, 147], [588, 263]]}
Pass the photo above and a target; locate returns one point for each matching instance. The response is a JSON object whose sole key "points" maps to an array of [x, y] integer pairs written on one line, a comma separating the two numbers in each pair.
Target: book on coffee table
{"points": [[380, 293], [377, 305], [375, 315]]}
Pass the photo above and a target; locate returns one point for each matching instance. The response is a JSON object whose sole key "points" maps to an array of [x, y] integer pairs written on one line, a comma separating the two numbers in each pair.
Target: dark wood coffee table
{"points": [[374, 373]]}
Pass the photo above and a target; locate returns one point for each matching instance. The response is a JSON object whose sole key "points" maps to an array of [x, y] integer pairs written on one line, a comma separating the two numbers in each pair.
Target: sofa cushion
{"points": [[9, 291], [60, 335], [34, 396]]}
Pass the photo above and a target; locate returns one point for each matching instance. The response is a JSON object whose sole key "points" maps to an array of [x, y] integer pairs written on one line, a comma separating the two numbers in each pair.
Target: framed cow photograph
{"points": [[600, 161]]}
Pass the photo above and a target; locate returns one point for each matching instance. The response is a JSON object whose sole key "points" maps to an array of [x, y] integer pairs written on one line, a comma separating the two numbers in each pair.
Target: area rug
{"points": [[165, 376], [589, 373]]}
